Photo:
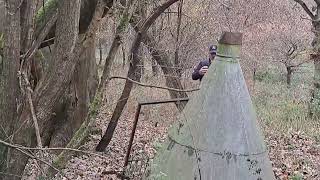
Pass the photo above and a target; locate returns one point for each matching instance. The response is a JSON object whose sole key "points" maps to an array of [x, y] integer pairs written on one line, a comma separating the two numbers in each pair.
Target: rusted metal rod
{"points": [[164, 101], [136, 118]]}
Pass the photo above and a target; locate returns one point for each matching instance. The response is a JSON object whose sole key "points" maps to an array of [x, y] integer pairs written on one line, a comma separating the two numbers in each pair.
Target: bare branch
{"points": [[306, 18], [16, 9], [42, 35], [301, 63], [153, 86], [41, 160], [8, 174], [22, 149], [224, 5], [305, 7], [33, 114], [15, 146]]}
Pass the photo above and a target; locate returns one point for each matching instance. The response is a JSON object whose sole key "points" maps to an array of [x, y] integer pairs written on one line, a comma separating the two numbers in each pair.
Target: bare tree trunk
{"points": [[254, 76], [315, 94], [100, 52], [72, 108], [134, 61], [289, 75], [8, 77], [76, 105], [33, 67], [83, 132], [28, 9], [123, 56], [314, 109], [2, 16], [123, 25], [52, 86], [172, 79], [155, 69], [167, 66], [87, 10], [177, 62]]}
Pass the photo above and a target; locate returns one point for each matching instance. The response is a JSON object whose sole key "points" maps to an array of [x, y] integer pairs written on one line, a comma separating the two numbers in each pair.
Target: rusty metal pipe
{"points": [[136, 118]]}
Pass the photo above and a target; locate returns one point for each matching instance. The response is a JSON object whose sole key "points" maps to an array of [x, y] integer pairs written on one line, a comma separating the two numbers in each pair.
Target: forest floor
{"points": [[293, 140], [295, 154]]}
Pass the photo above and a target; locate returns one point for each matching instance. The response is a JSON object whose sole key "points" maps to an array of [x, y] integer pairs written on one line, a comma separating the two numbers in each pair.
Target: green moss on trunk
{"points": [[44, 13], [79, 137]]}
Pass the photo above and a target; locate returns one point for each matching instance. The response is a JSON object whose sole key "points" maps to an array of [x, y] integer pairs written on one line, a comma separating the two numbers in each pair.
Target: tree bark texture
{"points": [[314, 109], [83, 132], [167, 65], [77, 99], [2, 15], [28, 9], [8, 77], [121, 28], [177, 62], [53, 85], [87, 10], [289, 75], [315, 95], [134, 61], [51, 88]]}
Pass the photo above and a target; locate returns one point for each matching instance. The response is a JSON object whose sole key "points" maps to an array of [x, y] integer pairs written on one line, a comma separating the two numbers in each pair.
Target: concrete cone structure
{"points": [[217, 135]]}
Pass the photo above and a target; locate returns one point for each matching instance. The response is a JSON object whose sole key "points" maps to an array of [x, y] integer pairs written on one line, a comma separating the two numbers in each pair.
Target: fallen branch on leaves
{"points": [[153, 86], [24, 150], [8, 174], [19, 147]]}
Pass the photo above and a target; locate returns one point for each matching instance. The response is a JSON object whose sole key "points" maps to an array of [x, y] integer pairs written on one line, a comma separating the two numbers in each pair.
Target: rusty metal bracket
{"points": [[136, 118]]}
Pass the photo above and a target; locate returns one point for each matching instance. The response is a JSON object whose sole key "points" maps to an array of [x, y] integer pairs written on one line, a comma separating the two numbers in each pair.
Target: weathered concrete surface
{"points": [[217, 136]]}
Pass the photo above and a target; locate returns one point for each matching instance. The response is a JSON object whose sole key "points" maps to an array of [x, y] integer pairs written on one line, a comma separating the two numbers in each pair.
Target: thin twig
{"points": [[224, 5], [41, 160], [16, 9], [52, 149], [304, 18], [34, 117], [21, 149], [8, 174], [153, 86], [305, 7], [42, 35], [33, 114]]}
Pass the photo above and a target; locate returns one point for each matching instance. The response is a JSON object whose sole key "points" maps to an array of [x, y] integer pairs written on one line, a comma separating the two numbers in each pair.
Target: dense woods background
{"points": [[72, 73]]}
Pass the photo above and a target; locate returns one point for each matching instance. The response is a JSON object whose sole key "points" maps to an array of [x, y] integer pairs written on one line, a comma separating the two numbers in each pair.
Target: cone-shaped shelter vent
{"points": [[217, 135]]}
